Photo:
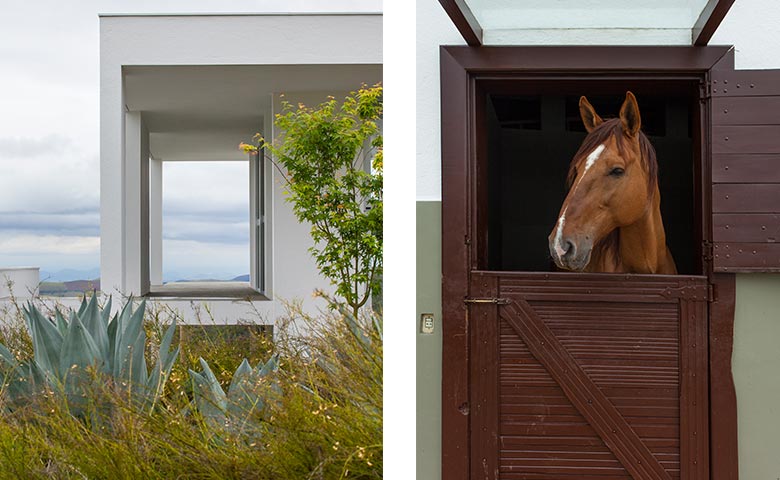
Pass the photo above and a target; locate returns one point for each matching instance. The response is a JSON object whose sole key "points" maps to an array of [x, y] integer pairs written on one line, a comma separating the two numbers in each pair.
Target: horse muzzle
{"points": [[570, 253]]}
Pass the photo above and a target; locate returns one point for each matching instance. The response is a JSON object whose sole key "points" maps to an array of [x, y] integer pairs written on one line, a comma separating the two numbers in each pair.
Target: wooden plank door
{"points": [[588, 376]]}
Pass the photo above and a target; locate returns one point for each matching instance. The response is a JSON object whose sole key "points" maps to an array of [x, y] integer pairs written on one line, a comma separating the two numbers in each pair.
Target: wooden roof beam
{"points": [[464, 20], [709, 20]]}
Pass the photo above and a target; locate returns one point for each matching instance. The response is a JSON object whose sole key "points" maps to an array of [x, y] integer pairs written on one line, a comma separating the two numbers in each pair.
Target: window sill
{"points": [[206, 291]]}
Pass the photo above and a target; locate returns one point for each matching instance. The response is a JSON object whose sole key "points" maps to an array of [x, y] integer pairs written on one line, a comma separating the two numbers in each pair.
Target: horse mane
{"points": [[600, 134]]}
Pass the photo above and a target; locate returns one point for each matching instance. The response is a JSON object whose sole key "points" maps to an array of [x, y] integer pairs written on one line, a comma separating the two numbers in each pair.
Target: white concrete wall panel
{"points": [[19, 282], [433, 29]]}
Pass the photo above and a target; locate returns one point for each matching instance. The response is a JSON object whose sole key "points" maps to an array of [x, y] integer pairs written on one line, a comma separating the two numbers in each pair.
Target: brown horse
{"points": [[610, 220]]}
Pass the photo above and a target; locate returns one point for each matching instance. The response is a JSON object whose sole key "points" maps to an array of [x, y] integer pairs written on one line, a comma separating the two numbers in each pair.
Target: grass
{"points": [[324, 421]]}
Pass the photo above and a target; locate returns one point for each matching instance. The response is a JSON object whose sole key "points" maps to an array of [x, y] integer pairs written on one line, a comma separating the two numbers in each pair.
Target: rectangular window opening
{"points": [[211, 230], [532, 129]]}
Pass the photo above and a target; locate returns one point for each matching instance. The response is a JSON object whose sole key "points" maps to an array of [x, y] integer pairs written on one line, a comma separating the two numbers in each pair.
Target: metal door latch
{"points": [[496, 301]]}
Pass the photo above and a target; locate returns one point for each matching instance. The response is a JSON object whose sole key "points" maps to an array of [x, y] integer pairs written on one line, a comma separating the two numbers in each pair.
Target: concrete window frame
{"points": [[143, 188]]}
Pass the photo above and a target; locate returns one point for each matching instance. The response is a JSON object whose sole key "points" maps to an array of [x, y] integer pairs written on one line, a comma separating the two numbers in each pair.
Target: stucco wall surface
{"points": [[755, 364], [751, 26]]}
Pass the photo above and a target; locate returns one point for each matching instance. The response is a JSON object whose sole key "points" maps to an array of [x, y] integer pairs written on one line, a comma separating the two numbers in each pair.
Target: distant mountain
{"points": [[240, 278], [83, 285], [73, 288], [69, 274]]}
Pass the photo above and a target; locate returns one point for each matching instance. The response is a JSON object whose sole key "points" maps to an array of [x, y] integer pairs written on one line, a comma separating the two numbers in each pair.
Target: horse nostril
{"points": [[568, 248]]}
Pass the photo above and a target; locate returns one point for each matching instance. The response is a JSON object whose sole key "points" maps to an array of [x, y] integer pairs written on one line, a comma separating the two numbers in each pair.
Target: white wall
{"points": [[21, 282], [217, 40], [433, 29]]}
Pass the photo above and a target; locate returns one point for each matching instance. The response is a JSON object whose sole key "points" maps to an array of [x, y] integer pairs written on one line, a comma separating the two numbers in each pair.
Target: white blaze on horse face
{"points": [[558, 234], [594, 155]]}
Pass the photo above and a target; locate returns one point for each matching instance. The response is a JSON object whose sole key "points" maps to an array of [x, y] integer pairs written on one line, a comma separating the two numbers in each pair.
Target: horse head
{"points": [[612, 180]]}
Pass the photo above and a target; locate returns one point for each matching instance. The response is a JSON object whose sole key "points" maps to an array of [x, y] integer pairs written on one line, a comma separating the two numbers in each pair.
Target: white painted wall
{"points": [[217, 40], [433, 29], [21, 282]]}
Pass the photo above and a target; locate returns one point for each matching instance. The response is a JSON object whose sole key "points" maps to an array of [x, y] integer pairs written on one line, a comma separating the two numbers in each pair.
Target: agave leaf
{"points": [[243, 370], [7, 357], [46, 340], [159, 375], [115, 331], [163, 365], [83, 305], [106, 312], [127, 335], [111, 332], [24, 380], [209, 396], [213, 384], [92, 320], [78, 349], [271, 365], [138, 372], [165, 344], [62, 324]]}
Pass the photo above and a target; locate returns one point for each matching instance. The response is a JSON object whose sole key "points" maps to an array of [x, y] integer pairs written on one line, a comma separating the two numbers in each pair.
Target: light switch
{"points": [[426, 323]]}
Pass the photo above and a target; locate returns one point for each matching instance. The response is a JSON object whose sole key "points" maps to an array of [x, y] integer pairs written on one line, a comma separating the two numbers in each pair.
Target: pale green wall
{"points": [[429, 346], [756, 366], [756, 361]]}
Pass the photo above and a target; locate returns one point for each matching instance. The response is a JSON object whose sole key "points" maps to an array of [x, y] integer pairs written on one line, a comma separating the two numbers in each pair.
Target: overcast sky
{"points": [[49, 145]]}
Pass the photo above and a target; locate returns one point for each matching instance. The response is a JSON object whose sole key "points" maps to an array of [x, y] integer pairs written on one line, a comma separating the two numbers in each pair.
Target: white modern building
{"points": [[190, 88]]}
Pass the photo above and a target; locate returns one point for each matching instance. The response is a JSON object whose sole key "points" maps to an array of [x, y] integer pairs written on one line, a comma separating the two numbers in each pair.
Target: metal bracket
{"points": [[701, 293], [707, 251], [496, 301]]}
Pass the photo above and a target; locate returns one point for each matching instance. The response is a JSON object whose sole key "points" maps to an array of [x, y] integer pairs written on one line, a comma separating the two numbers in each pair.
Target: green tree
{"points": [[331, 159]]}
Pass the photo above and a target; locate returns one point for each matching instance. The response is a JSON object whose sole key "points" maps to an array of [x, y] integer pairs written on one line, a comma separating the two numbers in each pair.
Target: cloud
{"points": [[50, 136], [85, 223], [190, 259], [49, 180], [25, 244]]}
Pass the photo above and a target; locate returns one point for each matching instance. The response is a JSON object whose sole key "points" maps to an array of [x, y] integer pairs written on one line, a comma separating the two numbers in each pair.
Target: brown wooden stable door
{"points": [[588, 376]]}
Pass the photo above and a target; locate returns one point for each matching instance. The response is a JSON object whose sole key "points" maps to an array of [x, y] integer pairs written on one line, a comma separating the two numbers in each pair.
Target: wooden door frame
{"points": [[461, 69]]}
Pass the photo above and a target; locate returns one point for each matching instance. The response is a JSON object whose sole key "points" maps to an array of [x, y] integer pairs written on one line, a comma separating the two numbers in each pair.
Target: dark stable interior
{"points": [[531, 140]]}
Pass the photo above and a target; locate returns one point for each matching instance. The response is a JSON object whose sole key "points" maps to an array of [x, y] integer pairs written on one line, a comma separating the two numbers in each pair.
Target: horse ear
{"points": [[590, 118], [629, 115]]}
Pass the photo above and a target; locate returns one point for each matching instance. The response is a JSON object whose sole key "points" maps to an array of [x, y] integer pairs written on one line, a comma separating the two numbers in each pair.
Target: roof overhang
{"points": [[202, 112], [497, 22]]}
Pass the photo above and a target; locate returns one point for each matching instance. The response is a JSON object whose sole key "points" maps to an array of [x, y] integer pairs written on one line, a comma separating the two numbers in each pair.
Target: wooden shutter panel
{"points": [[745, 137]]}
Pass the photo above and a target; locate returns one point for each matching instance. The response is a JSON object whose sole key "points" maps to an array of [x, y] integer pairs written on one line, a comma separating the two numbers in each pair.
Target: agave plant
{"points": [[245, 398], [90, 340]]}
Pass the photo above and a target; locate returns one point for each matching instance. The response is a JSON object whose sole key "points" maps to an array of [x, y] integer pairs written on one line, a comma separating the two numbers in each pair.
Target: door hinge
{"points": [[706, 251], [700, 293], [497, 301], [705, 90]]}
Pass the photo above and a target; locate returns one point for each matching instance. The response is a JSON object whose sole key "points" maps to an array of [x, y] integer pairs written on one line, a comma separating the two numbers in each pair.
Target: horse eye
{"points": [[617, 172]]}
